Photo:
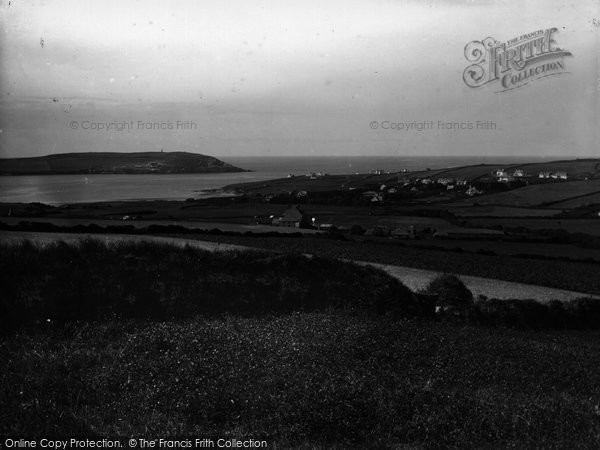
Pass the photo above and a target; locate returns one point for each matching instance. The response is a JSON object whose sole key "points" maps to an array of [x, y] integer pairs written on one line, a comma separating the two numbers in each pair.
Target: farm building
{"points": [[293, 217], [503, 176], [506, 179]]}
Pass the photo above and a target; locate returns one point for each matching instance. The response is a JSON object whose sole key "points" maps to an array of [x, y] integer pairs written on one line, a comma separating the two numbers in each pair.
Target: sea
{"points": [[64, 189]]}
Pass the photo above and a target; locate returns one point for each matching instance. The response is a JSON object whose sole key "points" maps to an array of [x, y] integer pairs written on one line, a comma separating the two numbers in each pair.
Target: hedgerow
{"points": [[93, 281]]}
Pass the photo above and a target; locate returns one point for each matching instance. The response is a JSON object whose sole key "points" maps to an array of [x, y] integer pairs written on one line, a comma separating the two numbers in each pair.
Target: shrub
{"points": [[451, 292]]}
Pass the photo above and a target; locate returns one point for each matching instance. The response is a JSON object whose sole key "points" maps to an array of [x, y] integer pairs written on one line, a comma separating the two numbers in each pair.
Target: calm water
{"points": [[59, 189]]}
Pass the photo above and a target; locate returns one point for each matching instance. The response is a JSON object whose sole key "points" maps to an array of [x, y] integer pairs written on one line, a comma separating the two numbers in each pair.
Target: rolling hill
{"points": [[115, 163]]}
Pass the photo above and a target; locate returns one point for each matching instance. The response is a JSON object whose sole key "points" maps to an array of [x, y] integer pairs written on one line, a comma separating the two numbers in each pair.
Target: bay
{"points": [[61, 189]]}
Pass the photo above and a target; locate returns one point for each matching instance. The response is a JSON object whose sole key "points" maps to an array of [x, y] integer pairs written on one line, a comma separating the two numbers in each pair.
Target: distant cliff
{"points": [[115, 163]]}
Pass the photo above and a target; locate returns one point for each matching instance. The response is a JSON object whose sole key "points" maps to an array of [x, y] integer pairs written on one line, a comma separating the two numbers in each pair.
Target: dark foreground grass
{"points": [[90, 281], [139, 340], [312, 379]]}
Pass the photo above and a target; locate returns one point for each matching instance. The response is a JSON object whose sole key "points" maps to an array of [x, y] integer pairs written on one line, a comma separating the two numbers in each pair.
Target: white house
{"points": [[473, 191]]}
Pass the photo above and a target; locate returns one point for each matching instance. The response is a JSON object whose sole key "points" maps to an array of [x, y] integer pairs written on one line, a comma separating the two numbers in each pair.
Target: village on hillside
{"points": [[385, 190]]}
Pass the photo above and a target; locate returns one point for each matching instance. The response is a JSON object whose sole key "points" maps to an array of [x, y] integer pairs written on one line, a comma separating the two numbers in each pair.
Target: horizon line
{"points": [[562, 156]]}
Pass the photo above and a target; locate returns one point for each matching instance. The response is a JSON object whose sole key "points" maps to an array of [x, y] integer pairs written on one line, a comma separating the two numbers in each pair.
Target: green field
{"points": [[468, 173], [511, 248], [304, 183], [540, 194], [219, 210], [584, 200], [568, 275], [576, 169], [586, 226], [502, 211], [579, 168], [205, 214]]}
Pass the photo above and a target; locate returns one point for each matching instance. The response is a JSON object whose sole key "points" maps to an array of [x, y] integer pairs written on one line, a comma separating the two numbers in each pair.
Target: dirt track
{"points": [[413, 278]]}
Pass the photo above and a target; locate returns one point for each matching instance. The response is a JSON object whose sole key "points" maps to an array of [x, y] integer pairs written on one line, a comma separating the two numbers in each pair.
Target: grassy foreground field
{"points": [[312, 379], [142, 339]]}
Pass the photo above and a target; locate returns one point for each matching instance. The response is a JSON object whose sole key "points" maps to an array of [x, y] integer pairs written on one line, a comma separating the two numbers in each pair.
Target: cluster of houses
{"points": [[450, 184], [503, 175], [555, 175], [317, 175]]}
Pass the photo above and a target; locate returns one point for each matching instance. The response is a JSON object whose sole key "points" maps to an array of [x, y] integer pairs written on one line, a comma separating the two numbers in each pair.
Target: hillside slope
{"points": [[113, 163], [541, 194]]}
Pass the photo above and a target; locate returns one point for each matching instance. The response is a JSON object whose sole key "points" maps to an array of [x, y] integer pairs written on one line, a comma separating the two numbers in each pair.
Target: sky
{"points": [[250, 78]]}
